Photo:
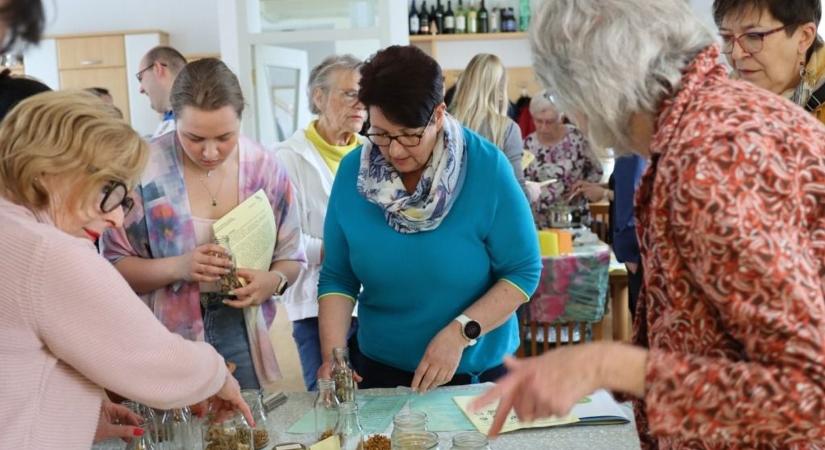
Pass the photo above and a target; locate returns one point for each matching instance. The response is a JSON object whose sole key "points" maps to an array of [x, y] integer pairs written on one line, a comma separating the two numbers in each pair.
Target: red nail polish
{"points": [[138, 432]]}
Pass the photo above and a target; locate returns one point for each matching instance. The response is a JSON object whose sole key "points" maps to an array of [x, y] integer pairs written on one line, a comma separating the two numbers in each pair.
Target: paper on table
{"points": [[483, 419], [375, 413], [330, 443], [442, 413], [599, 408], [251, 230]]}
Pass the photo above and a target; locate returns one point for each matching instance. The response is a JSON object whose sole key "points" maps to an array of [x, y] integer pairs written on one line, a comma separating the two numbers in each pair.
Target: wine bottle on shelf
{"points": [[423, 19], [483, 19], [495, 20], [524, 15], [439, 17], [512, 24], [449, 19], [433, 22], [460, 19], [472, 18], [413, 20]]}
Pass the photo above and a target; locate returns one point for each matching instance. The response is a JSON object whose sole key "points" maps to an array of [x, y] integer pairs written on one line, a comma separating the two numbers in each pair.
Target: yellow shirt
{"points": [[332, 154]]}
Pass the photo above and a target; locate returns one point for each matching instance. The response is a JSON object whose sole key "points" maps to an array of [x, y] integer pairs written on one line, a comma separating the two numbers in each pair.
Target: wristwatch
{"points": [[470, 329], [282, 285]]}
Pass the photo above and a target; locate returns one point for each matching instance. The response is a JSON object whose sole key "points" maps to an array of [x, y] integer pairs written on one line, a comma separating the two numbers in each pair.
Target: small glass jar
{"points": [[349, 431], [232, 434], [326, 409], [407, 421], [470, 440], [342, 375], [254, 399], [415, 440], [228, 281]]}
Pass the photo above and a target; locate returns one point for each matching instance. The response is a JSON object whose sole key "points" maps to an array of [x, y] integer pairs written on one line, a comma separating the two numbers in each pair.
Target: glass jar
{"points": [[254, 399], [342, 375], [151, 420], [407, 421], [177, 430], [232, 434], [415, 440], [349, 430], [470, 440], [326, 409], [143, 442], [228, 281]]}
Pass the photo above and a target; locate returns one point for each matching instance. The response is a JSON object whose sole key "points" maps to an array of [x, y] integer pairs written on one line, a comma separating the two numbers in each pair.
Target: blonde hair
{"points": [[66, 133], [481, 97]]}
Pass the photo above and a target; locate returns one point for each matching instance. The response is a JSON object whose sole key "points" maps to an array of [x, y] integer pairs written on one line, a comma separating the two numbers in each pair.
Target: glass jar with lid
{"points": [[415, 440], [470, 440]]}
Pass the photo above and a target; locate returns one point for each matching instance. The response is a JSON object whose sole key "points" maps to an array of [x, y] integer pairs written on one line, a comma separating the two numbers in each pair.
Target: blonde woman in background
{"points": [[480, 104]]}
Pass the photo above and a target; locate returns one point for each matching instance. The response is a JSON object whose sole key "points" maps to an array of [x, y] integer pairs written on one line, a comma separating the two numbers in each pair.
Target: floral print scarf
{"points": [[440, 183]]}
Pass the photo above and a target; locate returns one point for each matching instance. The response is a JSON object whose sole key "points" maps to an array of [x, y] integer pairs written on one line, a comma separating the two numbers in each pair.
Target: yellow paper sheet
{"points": [[330, 443], [251, 230], [527, 158], [483, 419]]}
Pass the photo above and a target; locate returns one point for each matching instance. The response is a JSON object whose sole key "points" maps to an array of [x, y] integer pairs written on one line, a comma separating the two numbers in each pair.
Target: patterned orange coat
{"points": [[732, 231]]}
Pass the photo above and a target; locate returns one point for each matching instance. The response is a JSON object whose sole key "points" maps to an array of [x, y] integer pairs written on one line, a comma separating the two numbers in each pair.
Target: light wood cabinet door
{"points": [[91, 52], [113, 79]]}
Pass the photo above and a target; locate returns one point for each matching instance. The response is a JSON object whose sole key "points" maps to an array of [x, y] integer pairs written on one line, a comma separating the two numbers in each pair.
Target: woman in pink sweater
{"points": [[70, 326]]}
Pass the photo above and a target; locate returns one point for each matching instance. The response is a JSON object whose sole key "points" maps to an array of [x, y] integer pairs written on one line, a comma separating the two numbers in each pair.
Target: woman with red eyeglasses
{"points": [[774, 45], [70, 325]]}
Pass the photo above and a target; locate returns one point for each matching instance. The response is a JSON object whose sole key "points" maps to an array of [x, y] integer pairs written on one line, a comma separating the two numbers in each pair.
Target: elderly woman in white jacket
{"points": [[311, 158]]}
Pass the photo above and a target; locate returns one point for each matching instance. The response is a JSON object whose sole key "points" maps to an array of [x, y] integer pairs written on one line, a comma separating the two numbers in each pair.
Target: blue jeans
{"points": [[225, 328], [305, 334]]}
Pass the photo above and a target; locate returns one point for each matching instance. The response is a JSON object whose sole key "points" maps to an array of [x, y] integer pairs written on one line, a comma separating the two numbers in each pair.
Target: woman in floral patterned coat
{"points": [[730, 328]]}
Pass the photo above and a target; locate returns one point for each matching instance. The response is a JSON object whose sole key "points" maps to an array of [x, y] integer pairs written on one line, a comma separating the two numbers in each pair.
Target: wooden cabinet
{"points": [[106, 60], [91, 52]]}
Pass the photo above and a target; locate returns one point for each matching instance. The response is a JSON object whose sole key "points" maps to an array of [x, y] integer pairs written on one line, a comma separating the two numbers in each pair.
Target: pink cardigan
{"points": [[70, 326]]}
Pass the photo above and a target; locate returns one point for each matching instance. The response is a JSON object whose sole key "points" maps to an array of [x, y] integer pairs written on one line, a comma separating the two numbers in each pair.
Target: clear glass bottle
{"points": [[349, 430], [470, 440], [232, 434], [326, 409], [407, 421], [415, 440], [342, 375], [229, 281], [144, 442], [254, 399], [178, 430]]}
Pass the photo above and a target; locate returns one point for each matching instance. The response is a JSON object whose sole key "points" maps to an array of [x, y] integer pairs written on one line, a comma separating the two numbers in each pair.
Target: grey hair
{"points": [[319, 77], [542, 102], [609, 59]]}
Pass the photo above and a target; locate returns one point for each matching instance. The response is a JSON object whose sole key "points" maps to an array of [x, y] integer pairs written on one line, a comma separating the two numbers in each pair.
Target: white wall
{"points": [[192, 24]]}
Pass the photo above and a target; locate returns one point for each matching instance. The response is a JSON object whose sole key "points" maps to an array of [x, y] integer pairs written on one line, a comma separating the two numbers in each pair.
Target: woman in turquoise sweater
{"points": [[428, 231]]}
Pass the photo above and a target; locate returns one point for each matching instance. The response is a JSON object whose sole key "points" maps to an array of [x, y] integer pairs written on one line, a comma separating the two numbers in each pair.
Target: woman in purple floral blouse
{"points": [[562, 153]]}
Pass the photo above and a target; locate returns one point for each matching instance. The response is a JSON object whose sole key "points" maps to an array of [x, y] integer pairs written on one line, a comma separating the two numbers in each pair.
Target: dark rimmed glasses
{"points": [[115, 194], [406, 140], [751, 42], [139, 74]]}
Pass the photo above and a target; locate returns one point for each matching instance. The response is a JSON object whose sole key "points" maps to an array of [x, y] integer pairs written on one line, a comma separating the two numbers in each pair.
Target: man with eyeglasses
{"points": [[158, 70]]}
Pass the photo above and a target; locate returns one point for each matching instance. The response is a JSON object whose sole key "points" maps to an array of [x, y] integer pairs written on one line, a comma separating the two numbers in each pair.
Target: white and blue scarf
{"points": [[440, 183]]}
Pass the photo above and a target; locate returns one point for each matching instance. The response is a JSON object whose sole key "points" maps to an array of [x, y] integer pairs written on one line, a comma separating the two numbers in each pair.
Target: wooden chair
{"points": [[539, 337], [600, 226]]}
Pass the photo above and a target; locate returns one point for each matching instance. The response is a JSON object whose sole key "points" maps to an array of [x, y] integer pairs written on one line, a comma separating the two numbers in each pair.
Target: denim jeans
{"points": [[305, 334], [225, 328]]}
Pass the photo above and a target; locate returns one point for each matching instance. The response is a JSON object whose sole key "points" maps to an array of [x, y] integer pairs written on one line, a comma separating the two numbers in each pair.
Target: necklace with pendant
{"points": [[202, 179]]}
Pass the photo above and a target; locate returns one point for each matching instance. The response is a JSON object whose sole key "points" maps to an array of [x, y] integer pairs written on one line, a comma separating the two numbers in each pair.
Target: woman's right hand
{"points": [[228, 401], [205, 264]]}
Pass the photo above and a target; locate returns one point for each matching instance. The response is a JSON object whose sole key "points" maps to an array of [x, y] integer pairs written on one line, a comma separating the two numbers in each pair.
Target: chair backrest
{"points": [[600, 226], [540, 337]]}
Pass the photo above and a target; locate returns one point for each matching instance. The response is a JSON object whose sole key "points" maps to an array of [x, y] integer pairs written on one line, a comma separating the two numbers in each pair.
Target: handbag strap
{"points": [[816, 100]]}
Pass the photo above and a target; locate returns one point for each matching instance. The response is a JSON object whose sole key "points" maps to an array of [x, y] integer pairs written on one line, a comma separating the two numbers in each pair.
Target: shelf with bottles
{"points": [[475, 18]]}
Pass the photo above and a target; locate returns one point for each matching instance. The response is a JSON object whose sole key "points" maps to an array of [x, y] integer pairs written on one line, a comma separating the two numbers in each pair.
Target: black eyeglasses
{"points": [[406, 140], [116, 195], [751, 42], [139, 74]]}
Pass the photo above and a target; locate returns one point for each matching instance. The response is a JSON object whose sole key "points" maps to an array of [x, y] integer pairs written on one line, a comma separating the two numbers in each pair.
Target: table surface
{"points": [[591, 437]]}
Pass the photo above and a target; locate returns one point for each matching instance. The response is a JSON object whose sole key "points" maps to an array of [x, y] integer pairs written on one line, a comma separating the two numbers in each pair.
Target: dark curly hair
{"points": [[404, 82], [792, 13], [25, 19]]}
